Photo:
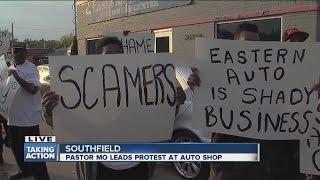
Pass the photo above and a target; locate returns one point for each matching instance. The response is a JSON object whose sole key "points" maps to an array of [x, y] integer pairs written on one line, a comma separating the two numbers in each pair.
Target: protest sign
{"points": [[4, 42], [310, 150], [8, 88], [134, 43], [310, 154], [113, 98], [257, 89]]}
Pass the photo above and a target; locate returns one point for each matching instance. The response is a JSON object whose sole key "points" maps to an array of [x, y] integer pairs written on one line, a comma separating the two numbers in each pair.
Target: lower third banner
{"points": [[151, 152]]}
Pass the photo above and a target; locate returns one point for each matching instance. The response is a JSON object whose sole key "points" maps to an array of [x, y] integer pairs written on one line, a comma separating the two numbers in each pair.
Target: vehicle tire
{"points": [[190, 170]]}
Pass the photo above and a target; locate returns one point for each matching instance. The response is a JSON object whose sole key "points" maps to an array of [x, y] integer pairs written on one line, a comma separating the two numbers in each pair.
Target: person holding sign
{"points": [[105, 170], [295, 35], [25, 114], [277, 157]]}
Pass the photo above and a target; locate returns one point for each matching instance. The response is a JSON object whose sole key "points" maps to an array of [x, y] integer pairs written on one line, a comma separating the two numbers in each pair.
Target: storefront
{"points": [[177, 23]]}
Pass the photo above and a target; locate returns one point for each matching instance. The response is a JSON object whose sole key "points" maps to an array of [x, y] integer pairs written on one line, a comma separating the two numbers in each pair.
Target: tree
{"points": [[66, 40], [48, 44], [63, 42]]}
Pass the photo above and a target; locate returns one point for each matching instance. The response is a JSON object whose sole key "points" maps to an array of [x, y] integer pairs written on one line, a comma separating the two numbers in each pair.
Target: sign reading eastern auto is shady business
{"points": [[260, 90], [98, 11]]}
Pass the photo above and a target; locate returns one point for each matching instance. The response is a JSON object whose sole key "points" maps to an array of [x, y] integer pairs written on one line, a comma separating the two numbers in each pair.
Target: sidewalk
{"points": [[9, 167], [57, 171], [66, 170]]}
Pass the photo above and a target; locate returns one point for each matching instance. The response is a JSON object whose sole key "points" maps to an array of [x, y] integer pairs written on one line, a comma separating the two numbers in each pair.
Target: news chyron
{"points": [[46, 149], [40, 148]]}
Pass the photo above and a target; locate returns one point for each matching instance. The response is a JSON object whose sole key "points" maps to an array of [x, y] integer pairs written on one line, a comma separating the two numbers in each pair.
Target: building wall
{"points": [[200, 17]]}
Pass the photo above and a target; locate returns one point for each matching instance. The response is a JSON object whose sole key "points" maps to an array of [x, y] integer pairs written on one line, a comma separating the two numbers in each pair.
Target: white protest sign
{"points": [[113, 98], [310, 155], [4, 42], [134, 43], [8, 88], [310, 151], [258, 90]]}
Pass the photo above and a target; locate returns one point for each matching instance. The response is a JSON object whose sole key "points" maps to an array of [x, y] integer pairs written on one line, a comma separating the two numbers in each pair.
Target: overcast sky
{"points": [[37, 19]]}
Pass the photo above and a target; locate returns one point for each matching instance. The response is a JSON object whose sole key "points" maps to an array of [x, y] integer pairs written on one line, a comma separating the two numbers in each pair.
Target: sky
{"points": [[37, 19]]}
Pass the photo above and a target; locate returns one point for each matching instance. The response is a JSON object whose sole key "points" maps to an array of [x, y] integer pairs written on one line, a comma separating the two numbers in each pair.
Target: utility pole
{"points": [[74, 47], [44, 43], [12, 45], [12, 38], [75, 17]]}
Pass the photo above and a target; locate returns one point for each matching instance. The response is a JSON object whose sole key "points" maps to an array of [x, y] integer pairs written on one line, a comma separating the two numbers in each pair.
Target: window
{"points": [[270, 29], [91, 46], [162, 44], [163, 40]]}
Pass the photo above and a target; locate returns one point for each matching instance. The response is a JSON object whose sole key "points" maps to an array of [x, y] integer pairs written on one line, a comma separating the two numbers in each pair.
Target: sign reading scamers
{"points": [[114, 98], [260, 90]]}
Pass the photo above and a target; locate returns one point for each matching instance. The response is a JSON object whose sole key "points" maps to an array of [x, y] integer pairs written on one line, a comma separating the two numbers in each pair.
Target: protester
{"points": [[295, 35], [278, 158], [106, 170], [25, 113]]}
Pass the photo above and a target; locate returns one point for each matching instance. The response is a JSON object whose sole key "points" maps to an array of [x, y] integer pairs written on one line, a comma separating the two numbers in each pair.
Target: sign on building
{"points": [[98, 11]]}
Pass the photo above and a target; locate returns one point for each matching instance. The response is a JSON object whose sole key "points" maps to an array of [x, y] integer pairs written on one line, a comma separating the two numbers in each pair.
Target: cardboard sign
{"points": [[113, 98], [310, 151], [135, 43], [257, 89], [310, 155], [4, 43], [260, 90], [8, 88]]}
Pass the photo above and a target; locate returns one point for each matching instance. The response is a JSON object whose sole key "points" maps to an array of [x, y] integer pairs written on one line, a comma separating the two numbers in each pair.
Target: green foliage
{"points": [[66, 40], [63, 42]]}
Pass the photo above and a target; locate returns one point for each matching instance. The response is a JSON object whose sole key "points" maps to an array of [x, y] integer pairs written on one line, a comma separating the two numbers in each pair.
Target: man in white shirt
{"points": [[25, 113]]}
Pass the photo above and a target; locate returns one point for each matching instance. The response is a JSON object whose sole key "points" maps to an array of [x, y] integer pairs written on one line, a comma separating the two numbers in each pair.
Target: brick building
{"points": [[176, 23]]}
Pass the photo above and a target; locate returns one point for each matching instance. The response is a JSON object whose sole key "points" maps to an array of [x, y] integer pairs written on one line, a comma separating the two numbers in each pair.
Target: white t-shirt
{"points": [[26, 108]]}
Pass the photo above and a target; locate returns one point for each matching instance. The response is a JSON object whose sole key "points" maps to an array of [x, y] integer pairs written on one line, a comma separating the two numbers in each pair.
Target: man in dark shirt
{"points": [[278, 159]]}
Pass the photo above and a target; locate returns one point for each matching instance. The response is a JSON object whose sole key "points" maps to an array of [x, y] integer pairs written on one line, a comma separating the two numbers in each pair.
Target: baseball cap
{"points": [[295, 32]]}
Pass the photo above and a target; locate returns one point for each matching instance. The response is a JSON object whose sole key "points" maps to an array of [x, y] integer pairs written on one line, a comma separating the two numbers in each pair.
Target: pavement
{"points": [[66, 170]]}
